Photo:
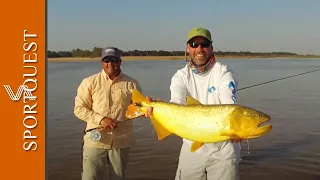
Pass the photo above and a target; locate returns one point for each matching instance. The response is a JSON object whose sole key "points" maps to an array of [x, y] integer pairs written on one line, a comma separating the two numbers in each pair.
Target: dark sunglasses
{"points": [[111, 59], [204, 44]]}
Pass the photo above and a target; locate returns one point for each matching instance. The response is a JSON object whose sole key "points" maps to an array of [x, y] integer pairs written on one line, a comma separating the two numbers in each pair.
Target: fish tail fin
{"points": [[135, 109], [137, 96]]}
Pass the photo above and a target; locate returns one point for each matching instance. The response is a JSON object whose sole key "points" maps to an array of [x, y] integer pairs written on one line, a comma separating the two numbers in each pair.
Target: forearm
{"points": [[88, 115], [178, 90], [228, 88], [178, 94]]}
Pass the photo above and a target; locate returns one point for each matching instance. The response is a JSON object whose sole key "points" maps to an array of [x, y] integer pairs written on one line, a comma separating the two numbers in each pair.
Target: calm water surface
{"points": [[290, 151]]}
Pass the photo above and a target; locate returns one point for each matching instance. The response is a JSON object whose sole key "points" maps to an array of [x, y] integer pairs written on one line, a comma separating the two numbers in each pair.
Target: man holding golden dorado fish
{"points": [[203, 112]]}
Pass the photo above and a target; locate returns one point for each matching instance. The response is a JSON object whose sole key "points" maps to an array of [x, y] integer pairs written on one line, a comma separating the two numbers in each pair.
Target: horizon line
{"points": [[84, 49]]}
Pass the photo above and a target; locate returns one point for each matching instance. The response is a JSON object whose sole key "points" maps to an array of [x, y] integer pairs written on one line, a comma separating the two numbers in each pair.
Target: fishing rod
{"points": [[277, 80], [95, 135]]}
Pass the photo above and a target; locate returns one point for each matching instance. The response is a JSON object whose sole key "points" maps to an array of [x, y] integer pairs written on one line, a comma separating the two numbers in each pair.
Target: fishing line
{"points": [[95, 132], [134, 131], [277, 80], [102, 128], [267, 82]]}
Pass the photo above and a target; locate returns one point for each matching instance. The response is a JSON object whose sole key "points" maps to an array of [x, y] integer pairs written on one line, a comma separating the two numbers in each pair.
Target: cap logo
{"points": [[109, 50]]}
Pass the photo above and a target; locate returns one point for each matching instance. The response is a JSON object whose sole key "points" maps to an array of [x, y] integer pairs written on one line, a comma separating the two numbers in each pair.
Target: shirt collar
{"points": [[106, 76]]}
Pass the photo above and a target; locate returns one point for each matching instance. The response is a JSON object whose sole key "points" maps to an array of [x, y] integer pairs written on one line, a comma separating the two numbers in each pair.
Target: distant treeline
{"points": [[96, 52]]}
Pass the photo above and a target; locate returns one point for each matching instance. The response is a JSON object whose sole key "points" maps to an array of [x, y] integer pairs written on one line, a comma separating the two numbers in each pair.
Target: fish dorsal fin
{"points": [[162, 132], [192, 101], [196, 145]]}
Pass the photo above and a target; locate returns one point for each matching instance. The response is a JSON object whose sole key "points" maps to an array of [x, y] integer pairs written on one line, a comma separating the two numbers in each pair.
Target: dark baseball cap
{"points": [[111, 51]]}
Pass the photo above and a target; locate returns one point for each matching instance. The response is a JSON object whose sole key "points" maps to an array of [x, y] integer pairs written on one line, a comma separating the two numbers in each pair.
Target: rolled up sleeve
{"points": [[83, 104]]}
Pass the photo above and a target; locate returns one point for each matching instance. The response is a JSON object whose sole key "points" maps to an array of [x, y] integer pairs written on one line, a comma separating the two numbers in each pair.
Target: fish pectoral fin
{"points": [[227, 134], [230, 135], [192, 101], [162, 132], [134, 111], [196, 145]]}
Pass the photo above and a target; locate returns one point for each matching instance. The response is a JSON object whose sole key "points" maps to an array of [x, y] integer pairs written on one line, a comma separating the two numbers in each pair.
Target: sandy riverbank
{"points": [[71, 59]]}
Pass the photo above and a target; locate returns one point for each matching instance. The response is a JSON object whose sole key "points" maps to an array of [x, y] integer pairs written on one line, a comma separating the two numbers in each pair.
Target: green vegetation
{"points": [[97, 51]]}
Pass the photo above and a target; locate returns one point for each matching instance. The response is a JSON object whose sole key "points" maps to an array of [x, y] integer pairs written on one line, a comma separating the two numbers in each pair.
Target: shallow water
{"points": [[290, 151]]}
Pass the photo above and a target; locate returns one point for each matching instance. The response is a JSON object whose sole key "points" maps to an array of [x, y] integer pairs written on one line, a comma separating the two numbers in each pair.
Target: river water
{"points": [[290, 151]]}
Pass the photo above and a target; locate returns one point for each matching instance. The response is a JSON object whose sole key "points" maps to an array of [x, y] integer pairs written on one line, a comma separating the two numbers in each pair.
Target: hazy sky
{"points": [[248, 25]]}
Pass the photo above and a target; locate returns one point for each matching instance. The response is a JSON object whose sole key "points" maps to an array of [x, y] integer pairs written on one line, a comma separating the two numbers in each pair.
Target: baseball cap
{"points": [[200, 31], [111, 51]]}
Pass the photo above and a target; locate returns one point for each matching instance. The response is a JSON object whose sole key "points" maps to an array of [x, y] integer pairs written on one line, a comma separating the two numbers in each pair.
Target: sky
{"points": [[247, 25]]}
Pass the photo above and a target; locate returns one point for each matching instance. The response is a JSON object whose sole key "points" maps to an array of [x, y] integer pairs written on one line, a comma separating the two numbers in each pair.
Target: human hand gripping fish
{"points": [[199, 123]]}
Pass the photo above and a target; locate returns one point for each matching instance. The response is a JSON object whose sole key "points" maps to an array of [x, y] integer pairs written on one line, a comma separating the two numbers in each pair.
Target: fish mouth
{"points": [[264, 121], [261, 129]]}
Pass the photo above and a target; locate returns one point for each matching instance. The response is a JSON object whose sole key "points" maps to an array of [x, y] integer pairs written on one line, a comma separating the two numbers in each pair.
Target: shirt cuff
{"points": [[97, 119]]}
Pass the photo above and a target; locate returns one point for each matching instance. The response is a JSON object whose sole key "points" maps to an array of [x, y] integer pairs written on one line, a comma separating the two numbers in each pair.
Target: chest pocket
{"points": [[99, 94], [121, 96]]}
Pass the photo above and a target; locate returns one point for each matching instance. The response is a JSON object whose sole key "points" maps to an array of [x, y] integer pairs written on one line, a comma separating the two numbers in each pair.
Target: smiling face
{"points": [[200, 50], [111, 66]]}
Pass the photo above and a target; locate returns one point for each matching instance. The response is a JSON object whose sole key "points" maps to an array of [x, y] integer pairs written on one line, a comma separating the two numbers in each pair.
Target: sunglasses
{"points": [[111, 59], [204, 44]]}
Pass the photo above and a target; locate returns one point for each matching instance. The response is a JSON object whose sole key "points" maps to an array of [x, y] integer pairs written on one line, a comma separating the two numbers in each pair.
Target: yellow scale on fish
{"points": [[200, 123]]}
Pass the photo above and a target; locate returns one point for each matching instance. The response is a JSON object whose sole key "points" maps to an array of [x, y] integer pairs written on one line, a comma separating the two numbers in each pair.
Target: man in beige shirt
{"points": [[102, 100]]}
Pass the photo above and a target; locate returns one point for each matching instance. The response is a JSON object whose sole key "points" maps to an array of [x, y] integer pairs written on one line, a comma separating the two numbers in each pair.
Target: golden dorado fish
{"points": [[200, 123]]}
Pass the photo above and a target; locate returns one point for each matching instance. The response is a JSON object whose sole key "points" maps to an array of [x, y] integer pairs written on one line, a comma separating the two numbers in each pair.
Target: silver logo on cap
{"points": [[109, 50]]}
